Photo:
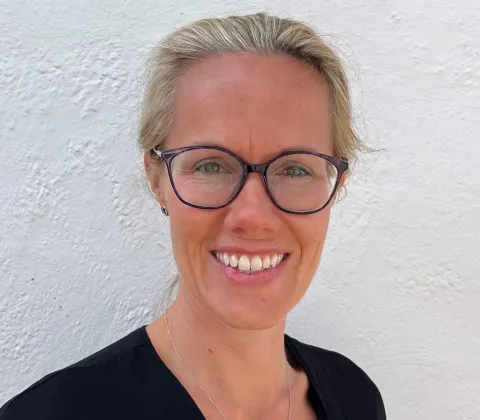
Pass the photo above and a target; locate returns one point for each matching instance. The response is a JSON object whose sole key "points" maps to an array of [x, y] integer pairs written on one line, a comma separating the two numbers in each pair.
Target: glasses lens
{"points": [[206, 177], [301, 182]]}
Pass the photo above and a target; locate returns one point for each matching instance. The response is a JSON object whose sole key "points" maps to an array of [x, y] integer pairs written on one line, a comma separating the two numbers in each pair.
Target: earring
{"points": [[164, 210]]}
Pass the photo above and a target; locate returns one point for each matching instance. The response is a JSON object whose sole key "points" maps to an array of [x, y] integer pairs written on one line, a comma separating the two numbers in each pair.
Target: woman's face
{"points": [[255, 106]]}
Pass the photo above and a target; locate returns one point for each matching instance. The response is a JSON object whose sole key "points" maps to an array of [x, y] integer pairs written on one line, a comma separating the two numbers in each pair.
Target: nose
{"points": [[252, 213]]}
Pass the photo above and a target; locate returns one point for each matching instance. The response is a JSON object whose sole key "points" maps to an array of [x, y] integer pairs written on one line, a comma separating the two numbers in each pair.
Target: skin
{"points": [[231, 337]]}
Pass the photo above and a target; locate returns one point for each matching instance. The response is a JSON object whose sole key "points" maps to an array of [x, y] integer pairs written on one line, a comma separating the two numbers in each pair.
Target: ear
{"points": [[154, 177], [341, 183], [343, 179]]}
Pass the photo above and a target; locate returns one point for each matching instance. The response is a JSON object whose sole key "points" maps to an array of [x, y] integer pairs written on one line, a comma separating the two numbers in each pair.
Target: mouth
{"points": [[250, 264]]}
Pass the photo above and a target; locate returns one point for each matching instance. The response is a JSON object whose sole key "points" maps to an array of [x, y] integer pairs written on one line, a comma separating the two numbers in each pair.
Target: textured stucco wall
{"points": [[84, 251]]}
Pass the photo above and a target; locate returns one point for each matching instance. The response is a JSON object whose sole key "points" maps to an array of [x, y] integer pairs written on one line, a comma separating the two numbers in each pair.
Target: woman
{"points": [[246, 132]]}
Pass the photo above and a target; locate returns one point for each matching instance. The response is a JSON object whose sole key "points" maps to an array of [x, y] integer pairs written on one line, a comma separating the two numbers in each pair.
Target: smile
{"points": [[249, 264]]}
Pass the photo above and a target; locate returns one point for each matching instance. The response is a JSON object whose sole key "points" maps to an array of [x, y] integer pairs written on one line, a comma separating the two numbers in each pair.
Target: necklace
{"points": [[201, 387]]}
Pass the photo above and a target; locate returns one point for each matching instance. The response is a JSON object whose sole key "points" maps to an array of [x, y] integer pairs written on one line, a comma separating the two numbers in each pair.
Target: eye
{"points": [[296, 171], [210, 167]]}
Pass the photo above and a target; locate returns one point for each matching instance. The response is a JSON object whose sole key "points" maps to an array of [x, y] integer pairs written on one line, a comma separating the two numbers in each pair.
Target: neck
{"points": [[244, 367]]}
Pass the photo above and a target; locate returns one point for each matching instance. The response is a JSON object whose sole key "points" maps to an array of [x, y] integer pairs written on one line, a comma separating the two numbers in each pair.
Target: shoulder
{"points": [[77, 390], [341, 383]]}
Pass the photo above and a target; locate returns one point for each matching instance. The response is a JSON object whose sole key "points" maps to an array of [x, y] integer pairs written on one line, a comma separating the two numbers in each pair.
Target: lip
{"points": [[260, 278], [250, 251]]}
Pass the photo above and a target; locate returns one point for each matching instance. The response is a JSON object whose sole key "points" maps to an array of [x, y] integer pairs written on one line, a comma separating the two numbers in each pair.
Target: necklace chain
{"points": [[201, 387]]}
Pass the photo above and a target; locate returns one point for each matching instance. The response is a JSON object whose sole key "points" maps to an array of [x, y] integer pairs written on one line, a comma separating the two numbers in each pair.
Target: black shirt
{"points": [[128, 380]]}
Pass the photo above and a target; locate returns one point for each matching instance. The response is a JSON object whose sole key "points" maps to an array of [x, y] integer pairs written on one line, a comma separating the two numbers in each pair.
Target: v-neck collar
{"points": [[292, 346], [190, 409]]}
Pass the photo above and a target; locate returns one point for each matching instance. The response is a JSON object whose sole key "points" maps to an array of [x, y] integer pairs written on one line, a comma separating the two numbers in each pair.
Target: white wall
{"points": [[84, 250]]}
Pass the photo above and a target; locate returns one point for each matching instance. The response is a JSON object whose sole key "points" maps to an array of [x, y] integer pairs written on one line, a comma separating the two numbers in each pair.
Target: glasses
{"points": [[211, 177]]}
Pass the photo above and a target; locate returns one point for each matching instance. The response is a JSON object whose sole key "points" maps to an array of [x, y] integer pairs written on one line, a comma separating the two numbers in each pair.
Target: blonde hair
{"points": [[258, 33]]}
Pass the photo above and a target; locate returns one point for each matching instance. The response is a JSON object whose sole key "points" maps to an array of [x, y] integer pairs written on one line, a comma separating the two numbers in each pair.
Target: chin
{"points": [[254, 314], [249, 301]]}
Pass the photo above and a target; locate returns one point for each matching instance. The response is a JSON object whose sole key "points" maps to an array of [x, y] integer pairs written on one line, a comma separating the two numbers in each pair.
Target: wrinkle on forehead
{"points": [[274, 102]]}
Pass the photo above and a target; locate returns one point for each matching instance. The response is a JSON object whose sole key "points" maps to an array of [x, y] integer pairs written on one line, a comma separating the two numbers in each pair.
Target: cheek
{"points": [[190, 230], [186, 228], [312, 237]]}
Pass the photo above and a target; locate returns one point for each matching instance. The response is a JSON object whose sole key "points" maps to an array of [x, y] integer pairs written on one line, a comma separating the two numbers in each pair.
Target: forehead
{"points": [[254, 105]]}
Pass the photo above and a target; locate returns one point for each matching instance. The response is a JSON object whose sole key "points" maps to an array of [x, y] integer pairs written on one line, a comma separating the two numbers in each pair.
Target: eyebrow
{"points": [[304, 148], [284, 149]]}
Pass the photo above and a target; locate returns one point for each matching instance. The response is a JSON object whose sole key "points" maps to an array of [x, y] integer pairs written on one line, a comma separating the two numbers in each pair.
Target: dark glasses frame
{"points": [[169, 155]]}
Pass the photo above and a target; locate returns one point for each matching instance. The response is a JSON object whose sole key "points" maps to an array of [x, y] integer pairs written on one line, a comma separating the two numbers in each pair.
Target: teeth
{"points": [[273, 260], [266, 262], [256, 263], [226, 258], [245, 264], [233, 261]]}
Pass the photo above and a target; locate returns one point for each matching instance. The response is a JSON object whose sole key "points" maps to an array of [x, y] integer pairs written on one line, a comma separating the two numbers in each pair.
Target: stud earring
{"points": [[164, 210]]}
